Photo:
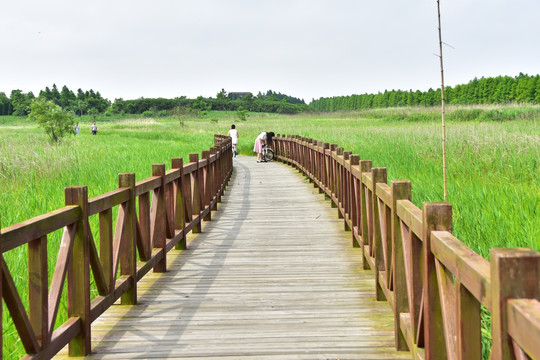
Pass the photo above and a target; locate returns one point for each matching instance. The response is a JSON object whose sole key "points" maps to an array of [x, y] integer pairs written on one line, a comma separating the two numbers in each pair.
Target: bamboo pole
{"points": [[442, 102]]}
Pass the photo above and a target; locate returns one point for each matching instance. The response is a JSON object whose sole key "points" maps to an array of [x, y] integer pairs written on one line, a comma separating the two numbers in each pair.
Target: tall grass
{"points": [[494, 185]]}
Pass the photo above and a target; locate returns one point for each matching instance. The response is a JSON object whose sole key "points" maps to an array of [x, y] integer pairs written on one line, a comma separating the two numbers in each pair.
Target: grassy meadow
{"points": [[493, 166]]}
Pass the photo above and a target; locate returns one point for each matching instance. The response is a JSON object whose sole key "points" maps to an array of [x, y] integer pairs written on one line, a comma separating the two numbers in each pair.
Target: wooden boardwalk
{"points": [[272, 276]]}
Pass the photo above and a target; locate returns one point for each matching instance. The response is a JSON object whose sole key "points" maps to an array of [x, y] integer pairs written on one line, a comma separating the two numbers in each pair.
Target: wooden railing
{"points": [[434, 283], [181, 198]]}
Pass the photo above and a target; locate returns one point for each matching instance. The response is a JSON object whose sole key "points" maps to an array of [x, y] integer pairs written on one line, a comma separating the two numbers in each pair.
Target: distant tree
{"points": [[271, 97], [5, 105], [56, 122], [202, 106], [221, 99], [93, 112], [55, 95], [78, 106], [66, 97], [21, 102]]}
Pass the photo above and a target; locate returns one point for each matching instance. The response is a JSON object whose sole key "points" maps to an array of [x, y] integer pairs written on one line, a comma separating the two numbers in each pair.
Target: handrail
{"points": [[181, 199], [434, 283]]}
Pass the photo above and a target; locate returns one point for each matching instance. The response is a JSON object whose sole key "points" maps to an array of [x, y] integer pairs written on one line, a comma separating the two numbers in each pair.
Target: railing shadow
{"points": [[207, 276]]}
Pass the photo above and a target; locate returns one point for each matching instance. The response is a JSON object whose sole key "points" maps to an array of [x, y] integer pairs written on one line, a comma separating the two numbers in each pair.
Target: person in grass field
{"points": [[94, 128], [233, 133]]}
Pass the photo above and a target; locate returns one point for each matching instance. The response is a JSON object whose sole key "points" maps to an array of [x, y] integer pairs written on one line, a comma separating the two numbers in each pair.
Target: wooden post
{"points": [[214, 180], [179, 216], [207, 185], [324, 167], [378, 176], [435, 216], [169, 209], [38, 288], [128, 246], [363, 228], [106, 246], [346, 188], [79, 273], [339, 182], [515, 274], [354, 200], [158, 218], [401, 190], [333, 175], [196, 195], [219, 174], [315, 162], [469, 324]]}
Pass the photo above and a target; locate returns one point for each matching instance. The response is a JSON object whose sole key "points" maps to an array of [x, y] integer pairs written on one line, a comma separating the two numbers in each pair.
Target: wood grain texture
{"points": [[272, 276]]}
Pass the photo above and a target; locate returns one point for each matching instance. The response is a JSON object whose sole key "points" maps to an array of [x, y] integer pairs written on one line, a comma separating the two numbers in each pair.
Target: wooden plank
{"points": [[107, 201], [26, 231], [61, 336], [270, 277], [189, 167], [384, 193], [146, 185], [472, 270], [59, 276], [411, 216], [17, 311], [171, 175], [524, 325]]}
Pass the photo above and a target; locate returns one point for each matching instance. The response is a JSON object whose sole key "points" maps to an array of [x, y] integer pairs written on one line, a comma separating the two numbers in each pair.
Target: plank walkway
{"points": [[272, 276]]}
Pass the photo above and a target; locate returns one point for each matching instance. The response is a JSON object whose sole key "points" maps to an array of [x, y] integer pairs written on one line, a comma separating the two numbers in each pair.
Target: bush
{"points": [[147, 113], [51, 117], [242, 114], [163, 113]]}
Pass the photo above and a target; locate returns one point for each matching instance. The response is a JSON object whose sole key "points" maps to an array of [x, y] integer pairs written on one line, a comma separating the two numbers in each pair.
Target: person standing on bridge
{"points": [[233, 133], [259, 144]]}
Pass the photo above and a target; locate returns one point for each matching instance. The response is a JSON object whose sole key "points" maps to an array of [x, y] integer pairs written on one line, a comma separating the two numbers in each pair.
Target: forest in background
{"points": [[522, 89]]}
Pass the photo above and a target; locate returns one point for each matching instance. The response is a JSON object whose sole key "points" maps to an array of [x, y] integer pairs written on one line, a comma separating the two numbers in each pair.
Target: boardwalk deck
{"points": [[272, 276]]}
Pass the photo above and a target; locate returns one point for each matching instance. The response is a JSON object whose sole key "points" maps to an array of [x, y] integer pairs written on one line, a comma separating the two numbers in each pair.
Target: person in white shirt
{"points": [[233, 133]]}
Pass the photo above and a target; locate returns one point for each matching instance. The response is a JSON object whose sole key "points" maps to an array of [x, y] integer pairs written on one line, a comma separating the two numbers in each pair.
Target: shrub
{"points": [[51, 117], [147, 113], [242, 114]]}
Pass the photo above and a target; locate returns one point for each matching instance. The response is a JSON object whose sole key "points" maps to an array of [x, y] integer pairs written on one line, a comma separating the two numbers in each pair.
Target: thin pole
{"points": [[442, 101]]}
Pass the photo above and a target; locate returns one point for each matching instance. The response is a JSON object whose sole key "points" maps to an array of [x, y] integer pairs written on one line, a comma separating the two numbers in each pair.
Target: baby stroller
{"points": [[267, 152]]}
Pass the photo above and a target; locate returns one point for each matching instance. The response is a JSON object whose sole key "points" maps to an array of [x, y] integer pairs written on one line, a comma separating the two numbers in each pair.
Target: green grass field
{"points": [[493, 182]]}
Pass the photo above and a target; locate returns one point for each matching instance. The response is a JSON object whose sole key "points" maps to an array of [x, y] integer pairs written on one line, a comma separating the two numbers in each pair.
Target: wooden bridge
{"points": [[275, 273]]}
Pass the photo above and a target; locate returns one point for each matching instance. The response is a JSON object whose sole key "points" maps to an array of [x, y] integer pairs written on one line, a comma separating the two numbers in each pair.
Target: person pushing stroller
{"points": [[261, 141]]}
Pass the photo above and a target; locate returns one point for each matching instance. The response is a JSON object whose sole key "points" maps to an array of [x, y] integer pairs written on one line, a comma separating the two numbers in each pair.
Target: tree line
{"points": [[271, 102], [92, 103], [492, 90], [80, 103]]}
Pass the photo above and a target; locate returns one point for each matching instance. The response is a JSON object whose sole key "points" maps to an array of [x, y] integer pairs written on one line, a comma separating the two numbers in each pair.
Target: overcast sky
{"points": [[304, 48]]}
